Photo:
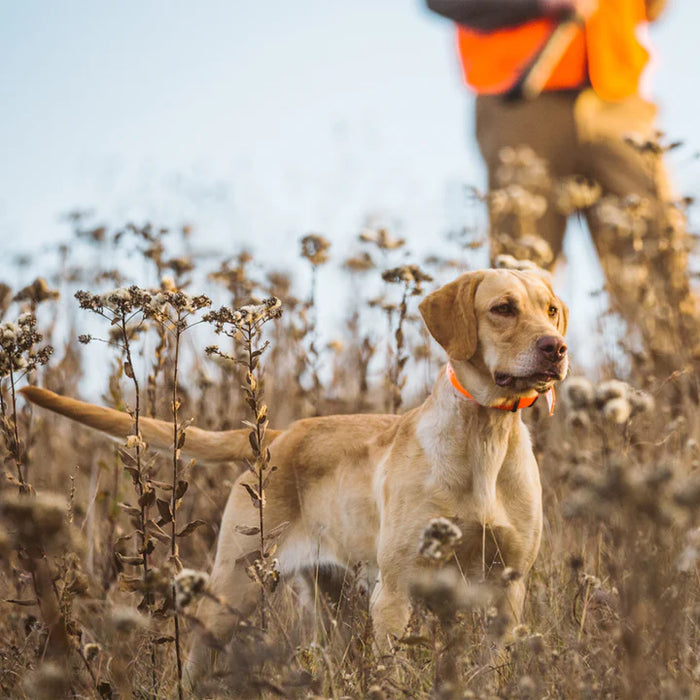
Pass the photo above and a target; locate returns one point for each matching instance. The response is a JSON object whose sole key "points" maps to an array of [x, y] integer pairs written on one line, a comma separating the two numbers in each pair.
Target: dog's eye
{"points": [[504, 309], [553, 311]]}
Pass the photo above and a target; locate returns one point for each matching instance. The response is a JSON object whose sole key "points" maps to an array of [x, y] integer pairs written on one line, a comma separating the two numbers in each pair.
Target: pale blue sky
{"points": [[295, 117], [256, 121], [251, 119]]}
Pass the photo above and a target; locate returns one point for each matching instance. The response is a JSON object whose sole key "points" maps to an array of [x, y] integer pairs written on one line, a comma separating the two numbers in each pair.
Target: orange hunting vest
{"points": [[606, 53]]}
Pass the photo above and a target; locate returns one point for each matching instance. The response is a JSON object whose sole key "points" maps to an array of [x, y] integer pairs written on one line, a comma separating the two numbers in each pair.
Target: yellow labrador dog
{"points": [[364, 487]]}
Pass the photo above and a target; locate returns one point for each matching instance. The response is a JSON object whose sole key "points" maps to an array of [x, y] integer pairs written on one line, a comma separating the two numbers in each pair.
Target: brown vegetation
{"points": [[103, 546]]}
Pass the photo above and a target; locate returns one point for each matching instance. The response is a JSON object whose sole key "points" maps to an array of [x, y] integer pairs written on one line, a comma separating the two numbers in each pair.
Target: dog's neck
{"points": [[474, 382], [452, 430]]}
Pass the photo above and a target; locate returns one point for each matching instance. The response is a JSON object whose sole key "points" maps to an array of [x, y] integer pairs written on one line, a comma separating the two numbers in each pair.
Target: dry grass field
{"points": [[104, 546]]}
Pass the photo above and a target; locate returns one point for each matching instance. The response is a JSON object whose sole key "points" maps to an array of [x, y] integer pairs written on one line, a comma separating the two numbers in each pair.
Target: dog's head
{"points": [[507, 324]]}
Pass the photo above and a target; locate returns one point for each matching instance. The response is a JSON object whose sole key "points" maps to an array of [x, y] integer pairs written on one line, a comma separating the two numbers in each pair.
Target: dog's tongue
{"points": [[503, 379]]}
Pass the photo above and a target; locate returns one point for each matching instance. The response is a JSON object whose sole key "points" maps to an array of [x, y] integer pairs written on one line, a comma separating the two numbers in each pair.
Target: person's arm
{"points": [[489, 15]]}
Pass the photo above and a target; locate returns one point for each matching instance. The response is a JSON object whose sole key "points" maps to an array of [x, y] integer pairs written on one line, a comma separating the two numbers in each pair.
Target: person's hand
{"points": [[583, 8]]}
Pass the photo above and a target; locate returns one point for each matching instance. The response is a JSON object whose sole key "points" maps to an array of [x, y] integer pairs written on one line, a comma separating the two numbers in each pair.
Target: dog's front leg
{"points": [[514, 601], [390, 608], [233, 597]]}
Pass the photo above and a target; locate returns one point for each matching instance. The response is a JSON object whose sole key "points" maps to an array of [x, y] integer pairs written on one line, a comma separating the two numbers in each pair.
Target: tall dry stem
{"points": [[244, 326]]}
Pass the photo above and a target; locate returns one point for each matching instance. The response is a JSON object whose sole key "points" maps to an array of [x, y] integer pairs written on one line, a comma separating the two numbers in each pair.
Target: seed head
{"points": [[47, 682], [641, 402], [17, 346], [91, 651], [38, 520], [579, 419], [359, 263], [189, 585], [445, 592], [576, 193], [381, 238], [410, 275], [125, 619], [246, 316], [509, 575], [611, 389], [508, 262], [688, 559], [521, 631], [315, 249], [438, 539], [617, 410], [37, 292], [579, 392]]}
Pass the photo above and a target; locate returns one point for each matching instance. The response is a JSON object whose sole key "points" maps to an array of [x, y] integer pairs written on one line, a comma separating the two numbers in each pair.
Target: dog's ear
{"points": [[450, 316]]}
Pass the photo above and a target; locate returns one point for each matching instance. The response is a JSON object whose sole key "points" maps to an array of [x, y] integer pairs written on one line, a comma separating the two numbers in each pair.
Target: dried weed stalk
{"points": [[244, 327]]}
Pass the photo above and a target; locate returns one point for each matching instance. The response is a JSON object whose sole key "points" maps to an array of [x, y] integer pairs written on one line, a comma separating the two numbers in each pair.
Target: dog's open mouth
{"points": [[534, 381]]}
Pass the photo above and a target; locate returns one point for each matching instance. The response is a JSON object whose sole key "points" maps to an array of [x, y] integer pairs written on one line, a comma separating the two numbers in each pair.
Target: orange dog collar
{"points": [[524, 402]]}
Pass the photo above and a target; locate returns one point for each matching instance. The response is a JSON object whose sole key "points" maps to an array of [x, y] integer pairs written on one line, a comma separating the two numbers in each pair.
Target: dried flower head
{"points": [[91, 651], [508, 262], [122, 303], [579, 392], [579, 419], [617, 410], [264, 572], [576, 193], [688, 492], [123, 300], [611, 389], [509, 574], [381, 238], [445, 592], [5, 298], [439, 539], [689, 557], [521, 632], [17, 346], [359, 263], [410, 275], [39, 520], [251, 315], [125, 619], [641, 402], [589, 580], [37, 292], [522, 166], [234, 275], [189, 585], [530, 248], [315, 249], [134, 441], [517, 201], [650, 144], [180, 266], [627, 217], [163, 303], [48, 682]]}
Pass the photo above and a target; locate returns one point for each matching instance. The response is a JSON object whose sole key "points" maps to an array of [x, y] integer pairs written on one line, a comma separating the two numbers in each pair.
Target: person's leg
{"points": [[638, 232], [528, 147]]}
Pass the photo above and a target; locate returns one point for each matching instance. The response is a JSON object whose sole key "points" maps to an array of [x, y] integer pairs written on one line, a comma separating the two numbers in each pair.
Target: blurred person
{"points": [[579, 137]]}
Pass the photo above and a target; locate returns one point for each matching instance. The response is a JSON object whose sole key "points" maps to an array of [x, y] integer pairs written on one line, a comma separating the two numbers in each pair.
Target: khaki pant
{"points": [[577, 134]]}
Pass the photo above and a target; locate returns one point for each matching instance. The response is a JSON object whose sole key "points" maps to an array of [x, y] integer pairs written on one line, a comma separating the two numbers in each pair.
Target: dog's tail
{"points": [[205, 445]]}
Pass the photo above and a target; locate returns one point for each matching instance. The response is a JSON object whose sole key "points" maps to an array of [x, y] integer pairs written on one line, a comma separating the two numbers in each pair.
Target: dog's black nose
{"points": [[552, 347]]}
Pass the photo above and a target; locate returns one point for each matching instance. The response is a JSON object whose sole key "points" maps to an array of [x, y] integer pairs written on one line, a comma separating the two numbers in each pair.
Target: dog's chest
{"points": [[464, 459]]}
